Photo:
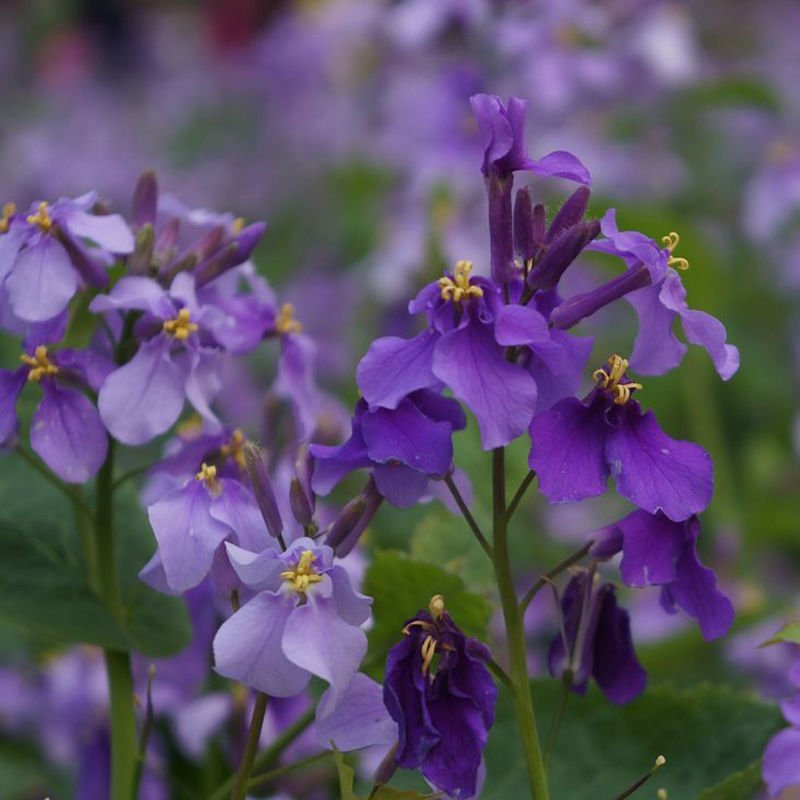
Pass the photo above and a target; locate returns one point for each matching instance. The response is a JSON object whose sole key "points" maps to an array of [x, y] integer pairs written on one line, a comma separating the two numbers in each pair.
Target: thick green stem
{"points": [[515, 635], [124, 745], [256, 723]]}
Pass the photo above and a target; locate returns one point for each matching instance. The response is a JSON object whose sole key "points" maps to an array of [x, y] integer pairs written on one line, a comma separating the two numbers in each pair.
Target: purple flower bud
{"points": [[262, 489], [141, 258], [145, 199], [346, 530], [524, 243], [570, 213], [298, 500], [561, 253]]}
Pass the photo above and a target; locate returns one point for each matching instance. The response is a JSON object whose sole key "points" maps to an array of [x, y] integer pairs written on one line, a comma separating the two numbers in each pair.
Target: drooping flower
{"points": [[303, 620], [439, 691], [654, 288], [659, 552], [595, 641], [577, 444], [46, 254]]}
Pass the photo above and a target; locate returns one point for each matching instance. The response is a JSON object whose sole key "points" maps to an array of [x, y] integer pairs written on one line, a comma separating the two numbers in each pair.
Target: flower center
{"points": [[41, 218], [9, 209], [181, 327], [671, 241], [40, 365], [458, 288], [302, 575], [208, 477], [429, 643], [610, 379], [234, 449], [285, 321]]}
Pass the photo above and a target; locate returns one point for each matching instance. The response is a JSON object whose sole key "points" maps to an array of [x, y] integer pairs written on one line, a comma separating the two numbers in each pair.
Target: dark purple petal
{"points": [[652, 546], [332, 464], [516, 325], [655, 472], [437, 407], [67, 434], [11, 384], [402, 486]]}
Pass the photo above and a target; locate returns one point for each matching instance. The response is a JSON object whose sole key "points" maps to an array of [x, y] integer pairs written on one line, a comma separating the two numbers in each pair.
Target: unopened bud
{"points": [[570, 213], [386, 768], [301, 508], [346, 522], [524, 244], [145, 199], [262, 489], [141, 258]]}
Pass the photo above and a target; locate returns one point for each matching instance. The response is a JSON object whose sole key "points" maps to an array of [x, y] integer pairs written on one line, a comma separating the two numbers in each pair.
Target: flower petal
{"points": [[709, 333], [109, 231], [781, 764], [11, 384]]}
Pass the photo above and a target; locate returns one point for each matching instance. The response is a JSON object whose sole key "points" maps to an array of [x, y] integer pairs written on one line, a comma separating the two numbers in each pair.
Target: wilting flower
{"points": [[303, 620], [654, 288], [440, 692], [66, 431], [659, 552], [577, 444], [405, 447], [781, 762], [46, 254], [595, 641]]}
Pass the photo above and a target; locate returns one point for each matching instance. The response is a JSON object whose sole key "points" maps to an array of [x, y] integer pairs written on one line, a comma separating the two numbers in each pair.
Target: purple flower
{"points": [[46, 254], [659, 552], [654, 288], [66, 431], [781, 763], [576, 444], [596, 641], [443, 708], [504, 153], [405, 447], [303, 621]]}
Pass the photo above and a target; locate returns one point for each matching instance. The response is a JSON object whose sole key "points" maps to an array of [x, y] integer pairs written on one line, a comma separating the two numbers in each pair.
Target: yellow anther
{"points": [[237, 225], [41, 218], [303, 574], [234, 448], [661, 794], [428, 652], [610, 379], [285, 321], [208, 477], [190, 427], [671, 241], [458, 288], [40, 365], [9, 209], [181, 327], [436, 606]]}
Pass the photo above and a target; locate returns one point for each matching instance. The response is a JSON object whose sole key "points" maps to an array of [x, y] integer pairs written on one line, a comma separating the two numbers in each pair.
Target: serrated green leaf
{"points": [[401, 586], [788, 634], [706, 733], [744, 785]]}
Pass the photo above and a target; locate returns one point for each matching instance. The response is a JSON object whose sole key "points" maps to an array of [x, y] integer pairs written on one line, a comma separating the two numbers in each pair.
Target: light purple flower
{"points": [[781, 762]]}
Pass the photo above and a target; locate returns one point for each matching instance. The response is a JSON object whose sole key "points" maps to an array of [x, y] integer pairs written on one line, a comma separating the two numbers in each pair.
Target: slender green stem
{"points": [[125, 477], [147, 730], [256, 723], [566, 688], [515, 635], [72, 492], [120, 682], [639, 782], [467, 514], [266, 777], [272, 753], [500, 674], [520, 493], [552, 573]]}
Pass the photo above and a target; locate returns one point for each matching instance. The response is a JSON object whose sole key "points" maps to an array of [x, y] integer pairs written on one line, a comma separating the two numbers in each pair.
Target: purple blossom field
{"points": [[398, 400]]}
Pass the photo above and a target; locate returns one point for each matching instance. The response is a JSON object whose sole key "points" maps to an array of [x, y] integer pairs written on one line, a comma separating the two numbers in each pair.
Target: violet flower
{"points": [[780, 766], [45, 255], [577, 444], [438, 689], [303, 620], [596, 642], [654, 288], [659, 552]]}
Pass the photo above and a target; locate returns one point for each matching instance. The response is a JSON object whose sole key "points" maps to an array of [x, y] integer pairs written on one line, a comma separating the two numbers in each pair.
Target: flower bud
{"points": [[262, 489], [141, 258], [145, 199], [570, 213]]}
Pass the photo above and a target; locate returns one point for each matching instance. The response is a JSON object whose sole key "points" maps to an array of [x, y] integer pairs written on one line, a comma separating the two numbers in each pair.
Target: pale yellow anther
{"points": [[428, 652], [671, 241], [9, 209], [303, 574], [285, 321], [237, 225], [41, 218], [661, 794], [181, 328], [610, 379], [436, 606], [208, 476], [459, 288], [234, 448], [40, 365]]}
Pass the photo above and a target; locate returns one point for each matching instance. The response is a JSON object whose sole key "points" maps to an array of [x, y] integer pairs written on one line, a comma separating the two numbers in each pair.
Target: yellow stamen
{"points": [[9, 209], [671, 241], [181, 327], [208, 477], [303, 574], [237, 225], [41, 218], [436, 606], [40, 364], [610, 379], [458, 288], [428, 652], [234, 448], [285, 321]]}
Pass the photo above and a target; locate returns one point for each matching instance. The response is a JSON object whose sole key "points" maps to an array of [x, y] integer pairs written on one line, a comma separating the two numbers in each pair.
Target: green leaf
{"points": [[744, 785], [788, 634], [401, 586], [347, 776], [706, 733], [24, 775]]}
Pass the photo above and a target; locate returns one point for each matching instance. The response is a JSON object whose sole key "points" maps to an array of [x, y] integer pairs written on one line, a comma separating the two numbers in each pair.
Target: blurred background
{"points": [[345, 124]]}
